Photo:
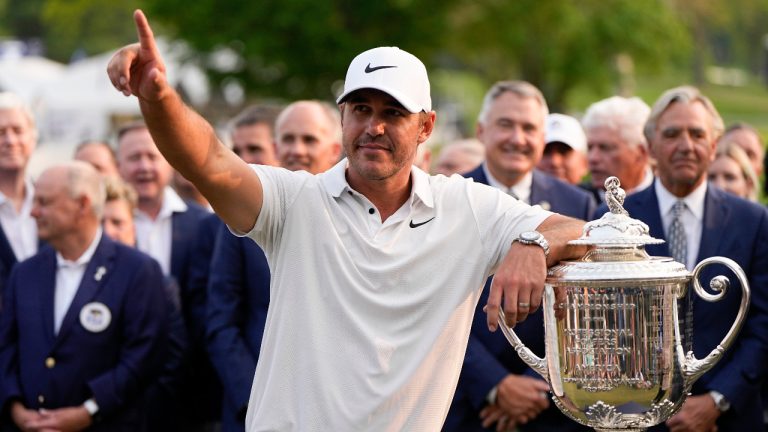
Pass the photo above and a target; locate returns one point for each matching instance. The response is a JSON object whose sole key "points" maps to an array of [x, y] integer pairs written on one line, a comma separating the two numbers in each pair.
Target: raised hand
{"points": [[138, 69]]}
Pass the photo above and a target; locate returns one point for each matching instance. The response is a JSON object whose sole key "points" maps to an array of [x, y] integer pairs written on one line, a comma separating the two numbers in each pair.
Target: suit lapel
{"points": [[6, 252], [716, 216], [540, 186], [478, 175], [47, 283], [178, 235], [648, 204], [96, 274]]}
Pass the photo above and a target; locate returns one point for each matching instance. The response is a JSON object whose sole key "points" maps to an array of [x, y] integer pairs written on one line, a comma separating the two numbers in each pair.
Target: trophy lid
{"points": [[618, 250], [615, 228]]}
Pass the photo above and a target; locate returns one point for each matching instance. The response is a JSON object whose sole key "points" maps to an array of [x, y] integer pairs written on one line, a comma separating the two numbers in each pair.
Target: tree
{"points": [[300, 48], [86, 27], [559, 44]]}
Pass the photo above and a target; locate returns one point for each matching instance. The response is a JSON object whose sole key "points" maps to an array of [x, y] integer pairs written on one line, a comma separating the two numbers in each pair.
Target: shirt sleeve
{"points": [[501, 219], [280, 188]]}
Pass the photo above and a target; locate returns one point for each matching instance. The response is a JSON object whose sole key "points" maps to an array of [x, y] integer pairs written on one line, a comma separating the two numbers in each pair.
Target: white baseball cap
{"points": [[567, 130], [393, 71]]}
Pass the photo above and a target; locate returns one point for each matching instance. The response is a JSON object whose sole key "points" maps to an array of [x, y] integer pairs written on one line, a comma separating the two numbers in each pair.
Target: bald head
{"points": [[69, 200], [308, 136], [460, 157]]}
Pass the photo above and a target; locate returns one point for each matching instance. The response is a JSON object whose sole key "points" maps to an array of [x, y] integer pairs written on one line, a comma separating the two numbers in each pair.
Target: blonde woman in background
{"points": [[733, 172]]}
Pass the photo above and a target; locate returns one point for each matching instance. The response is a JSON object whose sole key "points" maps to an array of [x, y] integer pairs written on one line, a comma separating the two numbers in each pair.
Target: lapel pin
{"points": [[100, 272]]}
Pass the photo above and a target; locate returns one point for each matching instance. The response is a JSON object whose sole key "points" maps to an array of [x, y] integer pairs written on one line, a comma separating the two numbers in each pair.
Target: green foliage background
{"points": [[576, 51]]}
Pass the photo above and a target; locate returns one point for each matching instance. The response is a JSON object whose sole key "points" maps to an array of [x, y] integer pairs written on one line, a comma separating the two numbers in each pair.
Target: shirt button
{"points": [[41, 399], [371, 211], [50, 362]]}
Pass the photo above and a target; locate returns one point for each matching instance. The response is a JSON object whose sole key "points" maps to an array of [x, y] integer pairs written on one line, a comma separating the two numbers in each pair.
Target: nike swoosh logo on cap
{"points": [[416, 225], [369, 69]]}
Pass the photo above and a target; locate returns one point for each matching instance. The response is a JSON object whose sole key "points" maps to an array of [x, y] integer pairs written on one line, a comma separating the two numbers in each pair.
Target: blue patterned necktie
{"points": [[678, 242], [678, 246]]}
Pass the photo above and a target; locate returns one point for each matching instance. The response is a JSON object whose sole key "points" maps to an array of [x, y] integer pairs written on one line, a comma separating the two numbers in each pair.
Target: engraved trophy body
{"points": [[614, 357]]}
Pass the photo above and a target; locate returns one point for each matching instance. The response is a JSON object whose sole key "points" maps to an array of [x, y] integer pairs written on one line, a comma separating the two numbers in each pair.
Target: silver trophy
{"points": [[614, 357]]}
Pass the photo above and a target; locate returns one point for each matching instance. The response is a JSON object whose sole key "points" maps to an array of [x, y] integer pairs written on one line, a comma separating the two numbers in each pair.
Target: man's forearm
{"points": [[559, 230], [186, 140]]}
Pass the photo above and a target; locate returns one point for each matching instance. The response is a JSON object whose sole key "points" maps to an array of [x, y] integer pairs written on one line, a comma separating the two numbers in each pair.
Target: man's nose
{"points": [[375, 126], [516, 135], [685, 142]]}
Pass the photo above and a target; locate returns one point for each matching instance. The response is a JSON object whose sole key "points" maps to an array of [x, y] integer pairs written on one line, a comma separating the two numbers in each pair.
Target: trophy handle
{"points": [[535, 362], [694, 367]]}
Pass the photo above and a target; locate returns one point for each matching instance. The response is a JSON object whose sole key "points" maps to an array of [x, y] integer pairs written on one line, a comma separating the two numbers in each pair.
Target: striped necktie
{"points": [[678, 247], [678, 242]]}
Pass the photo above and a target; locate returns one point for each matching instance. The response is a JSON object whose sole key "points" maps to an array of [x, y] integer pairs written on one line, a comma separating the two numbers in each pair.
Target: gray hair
{"points": [[521, 88], [255, 115], [11, 101], [330, 112], [686, 95], [625, 116], [83, 179]]}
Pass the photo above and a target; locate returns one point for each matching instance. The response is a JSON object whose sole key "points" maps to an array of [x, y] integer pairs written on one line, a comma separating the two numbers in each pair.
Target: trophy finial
{"points": [[614, 195]]}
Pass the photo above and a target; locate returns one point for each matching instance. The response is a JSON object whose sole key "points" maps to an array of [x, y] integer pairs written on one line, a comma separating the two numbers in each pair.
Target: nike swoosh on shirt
{"points": [[369, 69], [416, 225]]}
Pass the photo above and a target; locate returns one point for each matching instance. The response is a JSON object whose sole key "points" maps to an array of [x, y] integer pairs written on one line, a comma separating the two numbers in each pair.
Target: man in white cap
{"points": [[376, 266], [565, 149]]}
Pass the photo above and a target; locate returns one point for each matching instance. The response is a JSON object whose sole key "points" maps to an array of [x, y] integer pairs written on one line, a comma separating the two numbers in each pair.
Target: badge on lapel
{"points": [[100, 272], [95, 317]]}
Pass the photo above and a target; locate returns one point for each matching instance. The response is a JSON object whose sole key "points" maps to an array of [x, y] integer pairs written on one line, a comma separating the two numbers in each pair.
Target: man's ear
{"points": [[427, 127]]}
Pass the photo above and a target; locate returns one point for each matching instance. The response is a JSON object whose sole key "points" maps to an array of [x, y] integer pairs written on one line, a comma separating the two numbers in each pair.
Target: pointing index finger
{"points": [[146, 37]]}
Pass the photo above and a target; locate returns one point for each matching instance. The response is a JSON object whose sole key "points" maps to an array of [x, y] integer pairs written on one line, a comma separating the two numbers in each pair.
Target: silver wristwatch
{"points": [[721, 402], [91, 406], [534, 238]]}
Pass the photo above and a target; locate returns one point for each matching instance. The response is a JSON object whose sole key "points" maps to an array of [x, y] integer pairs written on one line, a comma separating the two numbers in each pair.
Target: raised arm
{"points": [[186, 140], [520, 277]]}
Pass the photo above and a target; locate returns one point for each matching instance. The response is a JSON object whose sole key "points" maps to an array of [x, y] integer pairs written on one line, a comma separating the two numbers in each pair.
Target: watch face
{"points": [[530, 236]]}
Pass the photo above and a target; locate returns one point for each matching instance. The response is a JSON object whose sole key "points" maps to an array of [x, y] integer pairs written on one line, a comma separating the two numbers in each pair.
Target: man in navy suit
{"points": [[495, 388], [85, 321], [682, 131], [308, 136], [18, 137], [166, 227]]}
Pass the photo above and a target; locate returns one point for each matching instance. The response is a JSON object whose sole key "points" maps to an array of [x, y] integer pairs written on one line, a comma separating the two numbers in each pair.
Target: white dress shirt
{"points": [[155, 237], [20, 228], [520, 190], [69, 274], [692, 217]]}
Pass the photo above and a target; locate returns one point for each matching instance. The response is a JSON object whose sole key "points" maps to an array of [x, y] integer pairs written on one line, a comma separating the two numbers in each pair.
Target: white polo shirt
{"points": [[368, 321]]}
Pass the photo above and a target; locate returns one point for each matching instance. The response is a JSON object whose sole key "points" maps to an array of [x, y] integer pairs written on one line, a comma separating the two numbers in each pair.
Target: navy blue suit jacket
{"points": [[736, 229], [7, 260], [47, 370], [194, 234], [238, 298], [490, 357], [185, 226]]}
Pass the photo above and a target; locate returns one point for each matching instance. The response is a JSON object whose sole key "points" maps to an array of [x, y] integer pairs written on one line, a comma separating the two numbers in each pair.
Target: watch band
{"points": [[534, 238], [721, 402], [91, 406]]}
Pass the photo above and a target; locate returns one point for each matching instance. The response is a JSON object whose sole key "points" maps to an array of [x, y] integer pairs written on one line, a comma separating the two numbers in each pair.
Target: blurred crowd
{"points": [[128, 305]]}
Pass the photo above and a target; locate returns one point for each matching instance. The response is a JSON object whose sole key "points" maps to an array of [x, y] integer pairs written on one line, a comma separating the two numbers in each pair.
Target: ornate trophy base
{"points": [[620, 430]]}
